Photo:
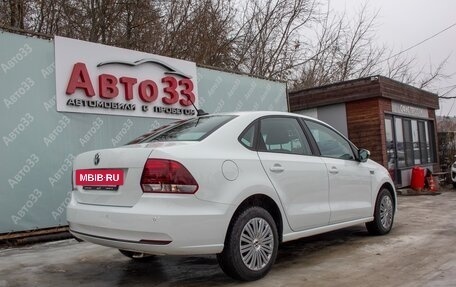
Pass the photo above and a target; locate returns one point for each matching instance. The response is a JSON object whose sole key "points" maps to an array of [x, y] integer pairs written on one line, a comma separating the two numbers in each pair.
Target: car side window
{"points": [[247, 138], [283, 135], [330, 143]]}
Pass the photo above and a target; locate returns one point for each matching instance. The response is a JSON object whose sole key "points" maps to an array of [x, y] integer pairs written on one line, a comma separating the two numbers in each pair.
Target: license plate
{"points": [[99, 177]]}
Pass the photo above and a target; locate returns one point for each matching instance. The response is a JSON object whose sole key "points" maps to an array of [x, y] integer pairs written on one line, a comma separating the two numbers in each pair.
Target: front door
{"points": [[350, 191]]}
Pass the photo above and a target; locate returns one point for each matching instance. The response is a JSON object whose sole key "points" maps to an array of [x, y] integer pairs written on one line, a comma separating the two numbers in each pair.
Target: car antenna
{"points": [[199, 112]]}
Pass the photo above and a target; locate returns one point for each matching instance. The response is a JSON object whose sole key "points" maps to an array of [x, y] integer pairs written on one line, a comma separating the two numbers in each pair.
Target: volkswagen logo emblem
{"points": [[96, 159]]}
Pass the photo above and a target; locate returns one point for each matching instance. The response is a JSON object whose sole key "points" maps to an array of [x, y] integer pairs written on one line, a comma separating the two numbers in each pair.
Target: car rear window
{"points": [[194, 129], [144, 137]]}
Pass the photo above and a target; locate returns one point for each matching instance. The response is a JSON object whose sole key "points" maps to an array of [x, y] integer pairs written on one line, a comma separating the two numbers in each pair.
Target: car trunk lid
{"points": [[128, 161]]}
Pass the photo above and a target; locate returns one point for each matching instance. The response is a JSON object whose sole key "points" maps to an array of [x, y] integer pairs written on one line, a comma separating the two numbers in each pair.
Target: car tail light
{"points": [[167, 176]]}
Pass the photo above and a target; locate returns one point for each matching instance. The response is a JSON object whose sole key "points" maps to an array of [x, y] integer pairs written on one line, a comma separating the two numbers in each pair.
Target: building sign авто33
{"points": [[99, 79]]}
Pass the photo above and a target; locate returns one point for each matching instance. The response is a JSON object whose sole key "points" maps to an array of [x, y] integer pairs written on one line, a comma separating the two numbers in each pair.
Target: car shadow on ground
{"points": [[197, 271]]}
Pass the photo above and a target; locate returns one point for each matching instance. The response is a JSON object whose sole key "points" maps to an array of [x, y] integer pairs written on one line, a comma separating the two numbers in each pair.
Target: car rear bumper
{"points": [[157, 224]]}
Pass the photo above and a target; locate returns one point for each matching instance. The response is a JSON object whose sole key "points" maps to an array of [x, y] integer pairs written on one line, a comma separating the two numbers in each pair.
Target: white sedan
{"points": [[236, 185]]}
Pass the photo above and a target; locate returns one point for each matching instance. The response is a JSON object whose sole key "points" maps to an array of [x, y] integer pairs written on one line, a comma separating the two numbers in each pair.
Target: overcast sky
{"points": [[404, 23]]}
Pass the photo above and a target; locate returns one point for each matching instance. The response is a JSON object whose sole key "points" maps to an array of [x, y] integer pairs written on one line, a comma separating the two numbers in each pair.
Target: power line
{"points": [[419, 43]]}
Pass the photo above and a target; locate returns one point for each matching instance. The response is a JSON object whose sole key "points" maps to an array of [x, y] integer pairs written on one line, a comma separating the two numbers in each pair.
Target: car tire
{"points": [[251, 245], [137, 256], [454, 184], [383, 214]]}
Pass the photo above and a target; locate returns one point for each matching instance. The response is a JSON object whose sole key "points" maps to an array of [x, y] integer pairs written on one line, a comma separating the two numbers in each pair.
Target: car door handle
{"points": [[276, 168], [333, 170]]}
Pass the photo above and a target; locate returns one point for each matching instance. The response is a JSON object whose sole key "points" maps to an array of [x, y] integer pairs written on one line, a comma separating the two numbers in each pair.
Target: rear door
{"points": [[350, 194], [300, 179]]}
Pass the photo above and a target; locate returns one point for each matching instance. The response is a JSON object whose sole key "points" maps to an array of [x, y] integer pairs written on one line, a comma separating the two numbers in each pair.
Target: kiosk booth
{"points": [[393, 120]]}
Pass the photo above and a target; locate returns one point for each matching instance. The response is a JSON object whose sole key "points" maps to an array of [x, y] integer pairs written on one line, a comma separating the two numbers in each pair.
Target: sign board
{"points": [[408, 110], [99, 79]]}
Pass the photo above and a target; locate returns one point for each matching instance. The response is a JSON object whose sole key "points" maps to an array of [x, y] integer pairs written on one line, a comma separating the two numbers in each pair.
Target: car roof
{"points": [[257, 114]]}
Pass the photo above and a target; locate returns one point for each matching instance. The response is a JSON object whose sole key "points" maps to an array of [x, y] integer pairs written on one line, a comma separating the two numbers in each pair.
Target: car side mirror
{"points": [[363, 155]]}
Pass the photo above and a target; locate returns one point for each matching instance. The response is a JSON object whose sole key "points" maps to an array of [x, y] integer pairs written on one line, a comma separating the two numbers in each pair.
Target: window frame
{"points": [[255, 136], [429, 125], [257, 124]]}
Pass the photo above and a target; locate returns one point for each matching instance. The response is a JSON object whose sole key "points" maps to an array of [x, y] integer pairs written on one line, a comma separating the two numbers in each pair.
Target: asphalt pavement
{"points": [[419, 251]]}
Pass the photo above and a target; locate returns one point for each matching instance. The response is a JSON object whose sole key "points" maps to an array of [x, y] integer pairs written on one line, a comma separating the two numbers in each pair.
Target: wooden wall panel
{"points": [[333, 94], [407, 94], [364, 88], [364, 127]]}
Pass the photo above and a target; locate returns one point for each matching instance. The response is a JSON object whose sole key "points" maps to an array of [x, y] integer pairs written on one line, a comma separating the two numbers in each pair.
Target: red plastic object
{"points": [[417, 181], [433, 183]]}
